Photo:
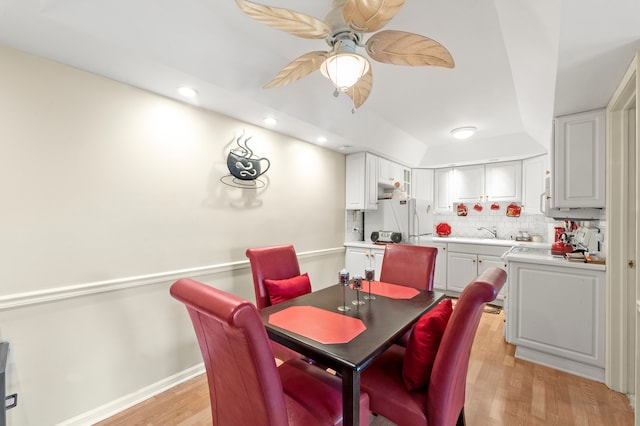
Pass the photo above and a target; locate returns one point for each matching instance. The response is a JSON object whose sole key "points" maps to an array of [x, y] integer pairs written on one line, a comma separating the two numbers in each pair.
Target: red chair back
{"points": [[244, 383], [408, 265], [274, 263], [446, 393]]}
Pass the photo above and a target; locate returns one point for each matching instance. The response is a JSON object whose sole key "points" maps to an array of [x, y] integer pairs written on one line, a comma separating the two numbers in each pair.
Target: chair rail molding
{"points": [[18, 300]]}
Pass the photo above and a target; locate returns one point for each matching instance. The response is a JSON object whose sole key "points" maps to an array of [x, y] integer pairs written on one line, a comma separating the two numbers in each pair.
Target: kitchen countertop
{"points": [[548, 259], [364, 244], [425, 241], [484, 241], [525, 256]]}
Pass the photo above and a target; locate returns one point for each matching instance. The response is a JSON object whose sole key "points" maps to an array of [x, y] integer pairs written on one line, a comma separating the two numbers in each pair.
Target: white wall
{"points": [[110, 193]]}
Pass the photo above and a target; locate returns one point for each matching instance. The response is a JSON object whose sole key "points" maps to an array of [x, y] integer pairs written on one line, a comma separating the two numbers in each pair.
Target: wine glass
{"points": [[343, 278], [357, 286], [369, 275]]}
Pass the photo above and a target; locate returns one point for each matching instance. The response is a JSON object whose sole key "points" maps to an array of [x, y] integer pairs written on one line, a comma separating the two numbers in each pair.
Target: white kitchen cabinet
{"points": [[488, 182], [503, 181], [578, 175], [462, 268], [357, 259], [422, 184], [466, 261], [534, 171], [556, 317], [440, 274], [442, 190], [361, 192], [468, 184], [390, 172]]}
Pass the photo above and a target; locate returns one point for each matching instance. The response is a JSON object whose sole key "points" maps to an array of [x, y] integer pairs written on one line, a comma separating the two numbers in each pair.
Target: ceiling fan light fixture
{"points": [[463, 132], [345, 67]]}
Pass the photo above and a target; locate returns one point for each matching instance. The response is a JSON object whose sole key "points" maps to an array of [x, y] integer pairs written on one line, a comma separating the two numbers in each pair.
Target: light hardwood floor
{"points": [[501, 391]]}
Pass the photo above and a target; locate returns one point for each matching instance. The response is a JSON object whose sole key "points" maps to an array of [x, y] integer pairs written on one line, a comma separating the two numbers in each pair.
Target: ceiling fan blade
{"points": [[360, 91], [403, 48], [369, 15], [298, 68], [295, 23]]}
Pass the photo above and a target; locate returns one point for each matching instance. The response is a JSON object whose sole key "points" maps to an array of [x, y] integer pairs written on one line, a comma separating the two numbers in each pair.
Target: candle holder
{"points": [[369, 275], [357, 286], [343, 279]]}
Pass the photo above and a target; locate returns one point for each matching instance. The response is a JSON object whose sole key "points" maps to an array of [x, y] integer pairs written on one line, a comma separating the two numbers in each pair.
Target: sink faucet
{"points": [[493, 231]]}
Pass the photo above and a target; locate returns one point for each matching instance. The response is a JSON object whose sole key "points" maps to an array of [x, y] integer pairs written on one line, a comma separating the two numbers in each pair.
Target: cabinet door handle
{"points": [[631, 264], [474, 261], [479, 261]]}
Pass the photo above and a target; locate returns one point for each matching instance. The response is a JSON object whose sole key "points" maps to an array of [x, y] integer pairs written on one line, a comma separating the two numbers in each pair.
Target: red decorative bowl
{"points": [[443, 229]]}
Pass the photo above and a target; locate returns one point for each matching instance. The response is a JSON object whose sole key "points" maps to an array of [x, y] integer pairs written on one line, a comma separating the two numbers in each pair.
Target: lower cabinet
{"points": [[440, 274], [466, 261], [357, 259], [556, 317]]}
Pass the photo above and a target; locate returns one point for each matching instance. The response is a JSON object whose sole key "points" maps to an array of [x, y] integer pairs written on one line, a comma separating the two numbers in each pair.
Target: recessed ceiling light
{"points": [[321, 139], [270, 121], [187, 92], [463, 132]]}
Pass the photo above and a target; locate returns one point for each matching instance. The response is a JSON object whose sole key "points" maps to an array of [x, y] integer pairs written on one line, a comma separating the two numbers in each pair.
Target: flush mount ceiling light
{"points": [[463, 132], [187, 92], [345, 67], [270, 121], [321, 139]]}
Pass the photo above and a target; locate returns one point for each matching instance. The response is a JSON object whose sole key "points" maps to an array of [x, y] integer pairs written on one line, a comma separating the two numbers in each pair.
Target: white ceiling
{"points": [[518, 64]]}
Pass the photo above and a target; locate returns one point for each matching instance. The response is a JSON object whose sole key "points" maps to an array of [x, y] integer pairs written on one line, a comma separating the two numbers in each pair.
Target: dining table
{"points": [[317, 326]]}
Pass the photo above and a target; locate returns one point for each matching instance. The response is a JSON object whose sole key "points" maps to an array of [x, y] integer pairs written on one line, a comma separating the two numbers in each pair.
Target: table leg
{"points": [[350, 397]]}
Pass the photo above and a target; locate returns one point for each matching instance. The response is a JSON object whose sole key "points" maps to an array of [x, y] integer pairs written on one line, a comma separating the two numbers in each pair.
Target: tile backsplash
{"points": [[507, 227], [467, 226]]}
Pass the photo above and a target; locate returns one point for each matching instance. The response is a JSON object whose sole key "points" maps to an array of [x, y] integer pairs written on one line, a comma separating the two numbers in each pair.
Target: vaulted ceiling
{"points": [[517, 65]]}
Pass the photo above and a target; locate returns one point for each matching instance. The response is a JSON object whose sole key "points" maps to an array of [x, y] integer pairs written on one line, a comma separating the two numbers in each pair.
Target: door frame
{"points": [[622, 130]]}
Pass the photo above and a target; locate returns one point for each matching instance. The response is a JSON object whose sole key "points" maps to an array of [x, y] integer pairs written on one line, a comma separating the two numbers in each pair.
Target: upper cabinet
{"points": [[534, 172], [442, 179], [367, 175], [578, 175], [468, 183], [389, 173], [361, 190], [503, 181], [490, 182]]}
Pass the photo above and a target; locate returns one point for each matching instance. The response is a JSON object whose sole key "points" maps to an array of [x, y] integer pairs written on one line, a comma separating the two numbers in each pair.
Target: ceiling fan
{"points": [[344, 29]]}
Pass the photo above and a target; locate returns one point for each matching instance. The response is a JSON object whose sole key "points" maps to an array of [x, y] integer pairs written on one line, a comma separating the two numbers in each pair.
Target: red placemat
{"points": [[318, 324], [392, 291]]}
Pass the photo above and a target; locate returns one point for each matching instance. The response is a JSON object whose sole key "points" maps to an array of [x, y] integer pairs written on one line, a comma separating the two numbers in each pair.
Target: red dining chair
{"points": [[441, 402], [245, 385], [411, 266], [273, 263]]}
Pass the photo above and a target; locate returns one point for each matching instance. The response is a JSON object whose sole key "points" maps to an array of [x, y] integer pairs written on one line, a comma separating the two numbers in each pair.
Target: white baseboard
{"points": [[128, 401]]}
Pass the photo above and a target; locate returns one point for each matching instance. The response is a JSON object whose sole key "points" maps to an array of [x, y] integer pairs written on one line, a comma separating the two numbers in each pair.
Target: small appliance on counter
{"points": [[587, 239], [386, 237]]}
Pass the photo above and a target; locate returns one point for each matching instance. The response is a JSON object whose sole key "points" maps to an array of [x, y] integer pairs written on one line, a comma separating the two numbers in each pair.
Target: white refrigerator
{"points": [[412, 218]]}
